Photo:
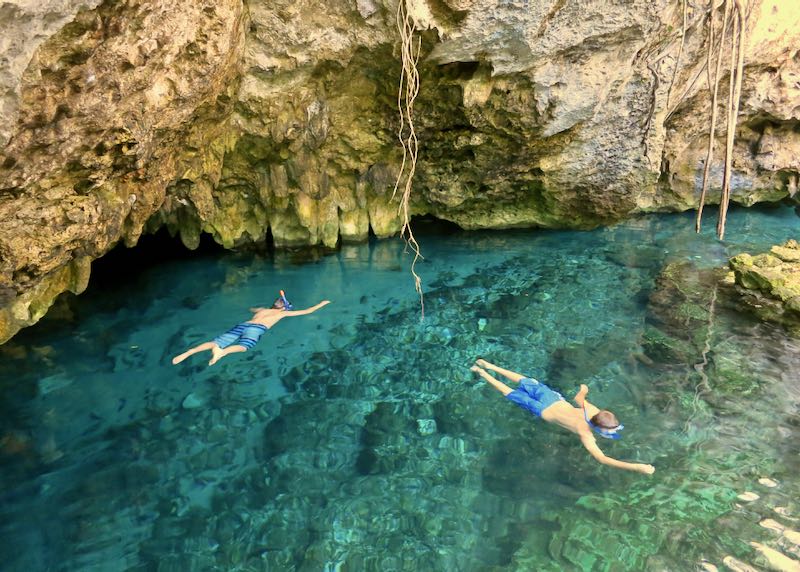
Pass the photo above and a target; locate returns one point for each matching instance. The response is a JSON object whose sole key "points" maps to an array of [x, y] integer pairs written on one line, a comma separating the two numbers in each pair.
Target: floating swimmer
{"points": [[550, 405], [244, 336]]}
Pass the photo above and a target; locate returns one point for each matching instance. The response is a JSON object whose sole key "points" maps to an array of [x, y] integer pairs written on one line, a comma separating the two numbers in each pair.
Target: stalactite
{"points": [[406, 94]]}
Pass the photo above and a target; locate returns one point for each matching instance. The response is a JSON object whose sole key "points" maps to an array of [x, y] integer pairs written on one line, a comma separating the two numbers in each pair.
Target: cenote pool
{"points": [[357, 439]]}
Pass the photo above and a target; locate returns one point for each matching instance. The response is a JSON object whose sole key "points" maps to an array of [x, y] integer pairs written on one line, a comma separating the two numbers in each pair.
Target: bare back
{"points": [[569, 417], [270, 316], [267, 316]]}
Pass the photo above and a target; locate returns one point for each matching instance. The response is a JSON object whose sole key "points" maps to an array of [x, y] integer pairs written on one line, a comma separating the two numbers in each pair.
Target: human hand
{"points": [[580, 397], [324, 303], [647, 469]]}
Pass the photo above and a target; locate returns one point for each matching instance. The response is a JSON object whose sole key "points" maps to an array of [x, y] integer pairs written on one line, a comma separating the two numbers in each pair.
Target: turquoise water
{"points": [[356, 438]]}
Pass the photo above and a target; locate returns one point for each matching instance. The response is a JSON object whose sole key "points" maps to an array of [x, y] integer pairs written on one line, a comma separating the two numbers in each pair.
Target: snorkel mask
{"points": [[286, 304], [602, 431]]}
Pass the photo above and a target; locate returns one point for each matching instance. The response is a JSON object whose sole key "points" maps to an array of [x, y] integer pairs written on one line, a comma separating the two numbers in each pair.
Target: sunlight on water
{"points": [[356, 438]]}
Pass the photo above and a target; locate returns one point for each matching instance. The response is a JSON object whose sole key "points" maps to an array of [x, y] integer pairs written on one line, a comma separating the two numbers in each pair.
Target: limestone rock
{"points": [[25, 26], [770, 282], [279, 119], [192, 401], [748, 496], [106, 105], [777, 560]]}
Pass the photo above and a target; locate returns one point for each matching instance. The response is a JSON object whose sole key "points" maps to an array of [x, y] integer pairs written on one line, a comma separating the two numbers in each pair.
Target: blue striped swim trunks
{"points": [[245, 334], [534, 396]]}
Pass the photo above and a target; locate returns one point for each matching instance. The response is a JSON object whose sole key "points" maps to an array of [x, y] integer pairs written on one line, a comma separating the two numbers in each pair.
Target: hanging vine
{"points": [[406, 94], [735, 94], [713, 86], [735, 10], [680, 52]]}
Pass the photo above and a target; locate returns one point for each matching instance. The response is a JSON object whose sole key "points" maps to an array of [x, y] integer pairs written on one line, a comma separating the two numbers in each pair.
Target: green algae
{"points": [[359, 440], [771, 283]]}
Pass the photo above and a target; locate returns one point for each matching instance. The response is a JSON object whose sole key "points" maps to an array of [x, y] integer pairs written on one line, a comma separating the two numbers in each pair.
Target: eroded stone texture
{"points": [[106, 106], [279, 119], [772, 282], [765, 153], [690, 306], [26, 24]]}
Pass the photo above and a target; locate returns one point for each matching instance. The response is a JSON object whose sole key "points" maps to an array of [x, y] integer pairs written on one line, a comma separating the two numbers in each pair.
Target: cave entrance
{"points": [[429, 225], [118, 266]]}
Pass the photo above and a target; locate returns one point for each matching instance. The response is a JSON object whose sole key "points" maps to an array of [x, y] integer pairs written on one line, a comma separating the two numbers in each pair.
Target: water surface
{"points": [[357, 439]]}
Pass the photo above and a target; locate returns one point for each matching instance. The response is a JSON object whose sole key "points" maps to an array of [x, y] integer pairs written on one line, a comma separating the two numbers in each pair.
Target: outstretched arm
{"points": [[591, 446], [310, 310], [580, 399]]}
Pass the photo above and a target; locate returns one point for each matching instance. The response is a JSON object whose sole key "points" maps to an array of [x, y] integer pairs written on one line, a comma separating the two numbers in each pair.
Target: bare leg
{"points": [[219, 354], [512, 375], [498, 385], [190, 352]]}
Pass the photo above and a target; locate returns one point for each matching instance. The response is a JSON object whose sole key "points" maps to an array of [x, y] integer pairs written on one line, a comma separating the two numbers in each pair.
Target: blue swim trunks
{"points": [[246, 334], [534, 396]]}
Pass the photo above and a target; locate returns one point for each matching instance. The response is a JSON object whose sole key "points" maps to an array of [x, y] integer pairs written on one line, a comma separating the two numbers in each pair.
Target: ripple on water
{"points": [[357, 438]]}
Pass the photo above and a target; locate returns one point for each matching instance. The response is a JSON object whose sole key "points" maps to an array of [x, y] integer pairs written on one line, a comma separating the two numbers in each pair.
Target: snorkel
{"points": [[602, 431], [286, 304]]}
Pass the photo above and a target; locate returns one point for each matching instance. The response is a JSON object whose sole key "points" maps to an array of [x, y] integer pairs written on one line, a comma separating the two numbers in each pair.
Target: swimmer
{"points": [[550, 405], [244, 336]]}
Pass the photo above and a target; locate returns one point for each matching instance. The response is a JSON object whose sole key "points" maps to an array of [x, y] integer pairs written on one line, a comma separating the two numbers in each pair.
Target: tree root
{"points": [[736, 10], [680, 53], [406, 94], [735, 92], [713, 86]]}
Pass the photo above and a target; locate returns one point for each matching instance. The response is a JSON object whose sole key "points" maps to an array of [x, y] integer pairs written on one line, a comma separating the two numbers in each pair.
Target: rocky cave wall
{"points": [[244, 120]]}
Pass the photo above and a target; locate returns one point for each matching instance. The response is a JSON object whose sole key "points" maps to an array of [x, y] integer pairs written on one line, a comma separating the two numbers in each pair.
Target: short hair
{"points": [[605, 419], [278, 304]]}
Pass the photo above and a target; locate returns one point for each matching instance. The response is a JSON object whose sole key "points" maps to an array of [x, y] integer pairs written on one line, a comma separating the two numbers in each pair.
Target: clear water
{"points": [[357, 438]]}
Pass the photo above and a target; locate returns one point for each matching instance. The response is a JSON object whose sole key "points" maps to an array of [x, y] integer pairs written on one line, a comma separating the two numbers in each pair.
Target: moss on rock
{"points": [[770, 283], [29, 307]]}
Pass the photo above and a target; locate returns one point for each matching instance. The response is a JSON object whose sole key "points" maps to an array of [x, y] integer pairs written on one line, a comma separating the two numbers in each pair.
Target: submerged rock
{"points": [[777, 560], [737, 565], [792, 536], [426, 426], [679, 312], [193, 401]]}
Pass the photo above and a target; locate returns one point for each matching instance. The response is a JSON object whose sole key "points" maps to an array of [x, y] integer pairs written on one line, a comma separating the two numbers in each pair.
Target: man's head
{"points": [[605, 420], [282, 303]]}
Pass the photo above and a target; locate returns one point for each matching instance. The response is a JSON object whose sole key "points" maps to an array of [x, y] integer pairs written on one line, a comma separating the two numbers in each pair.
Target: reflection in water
{"points": [[357, 438]]}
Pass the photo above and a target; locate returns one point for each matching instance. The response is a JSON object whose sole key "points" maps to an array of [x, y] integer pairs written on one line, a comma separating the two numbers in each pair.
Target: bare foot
{"points": [[217, 354], [481, 362], [476, 369]]}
